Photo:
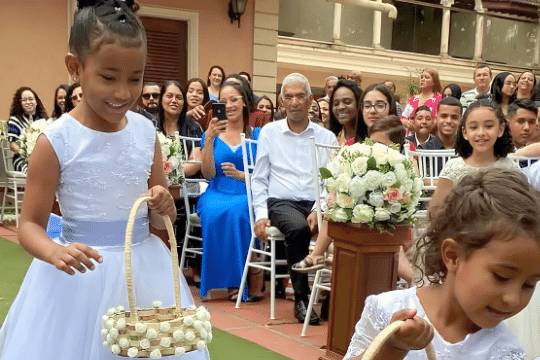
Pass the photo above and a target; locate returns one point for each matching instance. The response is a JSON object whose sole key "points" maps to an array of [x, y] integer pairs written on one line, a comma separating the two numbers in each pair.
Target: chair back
{"points": [[248, 159], [320, 155], [7, 157], [523, 162], [430, 163], [188, 144]]}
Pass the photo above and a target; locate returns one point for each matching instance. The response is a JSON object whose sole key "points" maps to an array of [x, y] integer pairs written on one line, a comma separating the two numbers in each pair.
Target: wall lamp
{"points": [[236, 10]]}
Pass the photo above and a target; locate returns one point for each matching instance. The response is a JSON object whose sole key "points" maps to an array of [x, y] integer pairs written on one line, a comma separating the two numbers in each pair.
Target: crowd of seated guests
{"points": [[435, 118]]}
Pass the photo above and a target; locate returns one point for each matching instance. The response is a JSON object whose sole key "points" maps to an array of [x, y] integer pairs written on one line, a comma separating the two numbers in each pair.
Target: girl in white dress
{"points": [[98, 159], [481, 257], [483, 140]]}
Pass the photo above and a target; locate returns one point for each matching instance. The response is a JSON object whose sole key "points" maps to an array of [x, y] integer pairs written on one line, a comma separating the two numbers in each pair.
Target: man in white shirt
{"points": [[282, 181], [329, 86], [482, 80]]}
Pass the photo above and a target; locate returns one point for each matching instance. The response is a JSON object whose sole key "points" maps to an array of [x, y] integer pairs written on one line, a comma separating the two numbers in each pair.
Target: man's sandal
{"points": [[309, 264]]}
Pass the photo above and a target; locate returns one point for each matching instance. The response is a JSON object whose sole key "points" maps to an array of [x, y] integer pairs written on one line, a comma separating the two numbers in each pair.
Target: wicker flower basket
{"points": [[383, 336], [159, 331]]}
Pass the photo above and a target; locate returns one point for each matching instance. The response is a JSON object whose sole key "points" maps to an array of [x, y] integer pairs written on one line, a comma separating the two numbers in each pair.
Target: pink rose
{"points": [[406, 198], [331, 199], [167, 167], [392, 194]]}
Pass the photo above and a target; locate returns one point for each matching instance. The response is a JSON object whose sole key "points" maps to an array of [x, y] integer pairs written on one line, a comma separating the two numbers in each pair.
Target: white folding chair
{"points": [[257, 248], [523, 162], [191, 188], [15, 183], [323, 276]]}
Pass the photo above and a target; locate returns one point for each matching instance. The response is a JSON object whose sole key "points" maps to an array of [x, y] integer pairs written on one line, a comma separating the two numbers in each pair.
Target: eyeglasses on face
{"points": [[75, 97], [379, 106], [147, 96]]}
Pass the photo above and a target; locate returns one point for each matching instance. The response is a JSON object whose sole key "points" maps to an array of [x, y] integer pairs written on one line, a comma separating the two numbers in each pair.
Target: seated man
{"points": [[522, 121], [283, 182], [448, 118], [422, 126]]}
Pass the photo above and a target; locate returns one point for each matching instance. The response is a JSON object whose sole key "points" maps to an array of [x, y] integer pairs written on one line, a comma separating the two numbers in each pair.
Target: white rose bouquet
{"points": [[173, 158], [27, 140], [373, 184]]}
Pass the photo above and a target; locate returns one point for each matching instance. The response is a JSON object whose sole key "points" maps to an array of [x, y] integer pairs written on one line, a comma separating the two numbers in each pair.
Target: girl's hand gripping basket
{"points": [[160, 331]]}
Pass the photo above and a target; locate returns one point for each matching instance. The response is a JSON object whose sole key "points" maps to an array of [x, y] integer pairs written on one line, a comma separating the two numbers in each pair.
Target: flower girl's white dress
{"points": [[486, 344], [58, 317]]}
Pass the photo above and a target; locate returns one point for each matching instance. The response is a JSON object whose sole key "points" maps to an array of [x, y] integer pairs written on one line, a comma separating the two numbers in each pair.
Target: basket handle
{"points": [[127, 259], [384, 335]]}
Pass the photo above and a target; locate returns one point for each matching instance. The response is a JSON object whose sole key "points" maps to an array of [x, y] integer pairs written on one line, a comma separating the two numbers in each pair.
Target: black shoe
{"points": [[325, 305], [280, 290], [300, 310]]}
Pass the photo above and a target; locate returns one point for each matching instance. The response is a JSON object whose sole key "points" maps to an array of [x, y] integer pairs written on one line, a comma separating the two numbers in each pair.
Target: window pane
{"points": [[509, 42], [357, 25], [306, 19], [462, 30], [417, 29]]}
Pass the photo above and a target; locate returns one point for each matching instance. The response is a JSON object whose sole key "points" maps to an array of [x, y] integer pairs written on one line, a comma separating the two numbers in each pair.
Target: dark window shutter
{"points": [[167, 50]]}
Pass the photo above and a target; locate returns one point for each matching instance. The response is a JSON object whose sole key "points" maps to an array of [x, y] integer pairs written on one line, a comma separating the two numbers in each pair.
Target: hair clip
{"points": [[117, 8]]}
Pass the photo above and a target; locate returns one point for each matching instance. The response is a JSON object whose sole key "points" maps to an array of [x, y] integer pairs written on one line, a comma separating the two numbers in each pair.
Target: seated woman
{"points": [[224, 204], [26, 107], [60, 95]]}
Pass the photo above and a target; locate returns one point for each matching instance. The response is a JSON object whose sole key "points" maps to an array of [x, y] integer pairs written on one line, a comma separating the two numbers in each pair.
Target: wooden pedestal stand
{"points": [[365, 263]]}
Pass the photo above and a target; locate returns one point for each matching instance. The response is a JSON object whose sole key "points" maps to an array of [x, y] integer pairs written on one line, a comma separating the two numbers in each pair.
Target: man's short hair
{"points": [[151, 83], [392, 126], [331, 77], [296, 78], [481, 66], [450, 101], [522, 104]]}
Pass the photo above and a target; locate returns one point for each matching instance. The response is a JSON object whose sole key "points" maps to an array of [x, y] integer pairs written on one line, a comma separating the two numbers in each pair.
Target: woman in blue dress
{"points": [[223, 208]]}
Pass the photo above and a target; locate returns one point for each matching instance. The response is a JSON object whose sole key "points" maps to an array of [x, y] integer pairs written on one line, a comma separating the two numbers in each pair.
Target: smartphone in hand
{"points": [[218, 110]]}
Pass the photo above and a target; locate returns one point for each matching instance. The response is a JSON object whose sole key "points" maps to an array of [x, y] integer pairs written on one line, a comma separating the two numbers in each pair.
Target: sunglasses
{"points": [[150, 95], [76, 97]]}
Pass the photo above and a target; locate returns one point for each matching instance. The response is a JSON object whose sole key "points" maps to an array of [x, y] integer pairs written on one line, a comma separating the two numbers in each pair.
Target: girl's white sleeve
{"points": [[372, 321]]}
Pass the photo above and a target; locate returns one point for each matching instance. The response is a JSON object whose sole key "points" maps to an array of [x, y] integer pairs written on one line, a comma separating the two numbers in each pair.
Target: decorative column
{"points": [[445, 28], [536, 59], [479, 33], [377, 24], [336, 35]]}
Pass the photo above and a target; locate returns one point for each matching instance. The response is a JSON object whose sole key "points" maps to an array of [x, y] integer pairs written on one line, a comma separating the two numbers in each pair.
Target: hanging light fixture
{"points": [[236, 10]]}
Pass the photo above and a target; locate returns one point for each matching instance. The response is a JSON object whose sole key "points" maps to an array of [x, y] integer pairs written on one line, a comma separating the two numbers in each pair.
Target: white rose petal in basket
{"points": [[29, 136], [159, 331]]}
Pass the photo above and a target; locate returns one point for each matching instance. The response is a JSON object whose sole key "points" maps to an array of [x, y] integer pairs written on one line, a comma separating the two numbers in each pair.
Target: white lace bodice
{"points": [[487, 344], [456, 169], [101, 174]]}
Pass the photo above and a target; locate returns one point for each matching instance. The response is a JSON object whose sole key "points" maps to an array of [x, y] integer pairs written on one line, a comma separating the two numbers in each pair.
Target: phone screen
{"points": [[218, 110]]}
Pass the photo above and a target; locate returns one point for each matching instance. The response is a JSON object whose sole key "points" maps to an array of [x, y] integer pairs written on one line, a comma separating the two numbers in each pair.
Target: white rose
{"points": [[200, 345], [121, 324], [344, 201], [140, 328], [373, 179], [115, 349], [382, 214], [394, 207], [156, 304], [380, 153], [197, 325], [155, 354], [362, 214], [363, 149], [334, 167], [401, 173], [114, 333], [338, 215], [133, 352], [179, 351], [178, 335], [144, 344], [395, 157], [389, 179], [151, 333], [165, 326], [346, 168], [406, 185], [188, 321], [359, 166], [418, 185], [330, 184], [203, 333], [190, 336], [123, 342], [357, 188], [342, 183], [165, 342], [376, 198]]}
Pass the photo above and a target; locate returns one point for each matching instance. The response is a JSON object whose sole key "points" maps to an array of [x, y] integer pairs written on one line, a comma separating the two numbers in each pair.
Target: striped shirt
{"points": [[16, 125]]}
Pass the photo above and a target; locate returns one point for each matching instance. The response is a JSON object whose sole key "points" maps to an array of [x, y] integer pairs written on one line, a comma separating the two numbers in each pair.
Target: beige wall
{"points": [[220, 42], [33, 34]]}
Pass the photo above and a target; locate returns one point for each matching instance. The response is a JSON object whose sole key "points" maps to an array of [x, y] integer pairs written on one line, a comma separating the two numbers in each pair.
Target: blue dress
{"points": [[225, 225]]}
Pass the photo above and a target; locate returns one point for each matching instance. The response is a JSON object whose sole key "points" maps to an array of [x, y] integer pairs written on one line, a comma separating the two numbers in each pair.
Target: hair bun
{"points": [[95, 3]]}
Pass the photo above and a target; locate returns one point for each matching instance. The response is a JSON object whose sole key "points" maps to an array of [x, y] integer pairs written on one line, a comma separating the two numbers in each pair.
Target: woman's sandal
{"points": [[233, 295], [309, 264]]}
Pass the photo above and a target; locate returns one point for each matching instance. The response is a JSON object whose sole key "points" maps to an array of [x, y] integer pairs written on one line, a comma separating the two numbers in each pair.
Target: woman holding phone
{"points": [[225, 202]]}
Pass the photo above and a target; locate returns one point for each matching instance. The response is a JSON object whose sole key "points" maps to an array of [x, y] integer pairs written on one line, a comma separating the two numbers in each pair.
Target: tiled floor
{"points": [[252, 321]]}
